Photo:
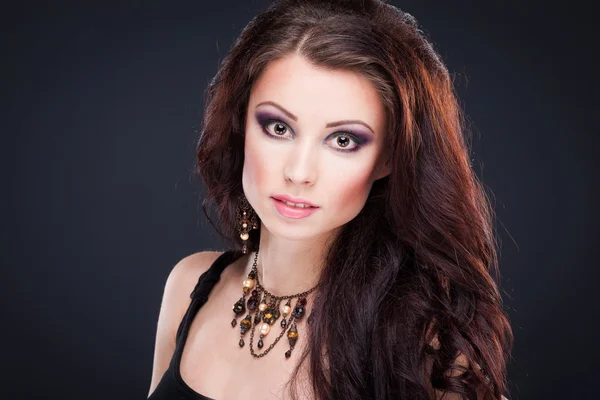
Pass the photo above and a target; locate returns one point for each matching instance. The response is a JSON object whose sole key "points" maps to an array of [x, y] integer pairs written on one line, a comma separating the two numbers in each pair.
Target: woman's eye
{"points": [[277, 128], [343, 142]]}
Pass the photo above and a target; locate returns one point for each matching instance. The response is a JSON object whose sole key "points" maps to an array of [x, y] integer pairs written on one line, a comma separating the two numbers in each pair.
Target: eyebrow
{"points": [[329, 125]]}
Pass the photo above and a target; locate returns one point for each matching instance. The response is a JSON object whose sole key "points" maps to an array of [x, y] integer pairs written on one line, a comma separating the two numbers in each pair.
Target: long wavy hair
{"points": [[413, 277]]}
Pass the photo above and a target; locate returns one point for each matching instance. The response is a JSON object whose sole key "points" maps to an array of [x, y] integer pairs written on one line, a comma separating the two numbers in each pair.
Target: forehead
{"points": [[318, 94]]}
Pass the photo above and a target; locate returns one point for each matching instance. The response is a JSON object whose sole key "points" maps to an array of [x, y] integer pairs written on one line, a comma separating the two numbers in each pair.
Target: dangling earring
{"points": [[246, 220]]}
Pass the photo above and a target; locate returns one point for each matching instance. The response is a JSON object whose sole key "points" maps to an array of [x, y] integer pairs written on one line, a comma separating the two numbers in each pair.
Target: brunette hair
{"points": [[411, 281]]}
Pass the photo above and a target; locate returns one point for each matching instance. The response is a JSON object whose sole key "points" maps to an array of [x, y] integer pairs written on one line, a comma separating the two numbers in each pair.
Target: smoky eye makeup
{"points": [[358, 136], [265, 118]]}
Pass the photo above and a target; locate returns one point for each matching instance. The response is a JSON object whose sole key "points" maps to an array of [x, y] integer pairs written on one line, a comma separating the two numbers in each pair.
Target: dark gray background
{"points": [[100, 111]]}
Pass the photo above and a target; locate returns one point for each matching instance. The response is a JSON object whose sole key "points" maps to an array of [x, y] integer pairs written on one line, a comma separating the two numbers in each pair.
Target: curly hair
{"points": [[414, 274]]}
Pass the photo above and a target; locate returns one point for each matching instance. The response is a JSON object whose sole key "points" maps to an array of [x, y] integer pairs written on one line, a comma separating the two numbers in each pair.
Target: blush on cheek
{"points": [[353, 194], [254, 167], [252, 172]]}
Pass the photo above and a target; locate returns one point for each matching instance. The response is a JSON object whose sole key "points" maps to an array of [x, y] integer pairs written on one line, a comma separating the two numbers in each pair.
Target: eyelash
{"points": [[358, 141]]}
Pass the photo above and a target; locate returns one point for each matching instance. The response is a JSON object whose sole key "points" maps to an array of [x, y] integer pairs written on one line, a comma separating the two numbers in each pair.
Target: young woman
{"points": [[362, 243]]}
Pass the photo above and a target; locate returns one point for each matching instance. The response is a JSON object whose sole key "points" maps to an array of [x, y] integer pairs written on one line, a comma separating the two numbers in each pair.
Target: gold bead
{"points": [[264, 328], [249, 283], [268, 315], [262, 306], [244, 236]]}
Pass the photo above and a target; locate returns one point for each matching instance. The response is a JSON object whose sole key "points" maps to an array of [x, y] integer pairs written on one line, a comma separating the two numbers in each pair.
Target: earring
{"points": [[246, 220]]}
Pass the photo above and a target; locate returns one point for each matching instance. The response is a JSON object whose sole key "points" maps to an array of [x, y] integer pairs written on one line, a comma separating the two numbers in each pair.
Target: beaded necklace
{"points": [[266, 307]]}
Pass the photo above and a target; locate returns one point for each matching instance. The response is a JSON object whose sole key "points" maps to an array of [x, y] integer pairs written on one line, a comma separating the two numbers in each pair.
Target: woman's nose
{"points": [[301, 163]]}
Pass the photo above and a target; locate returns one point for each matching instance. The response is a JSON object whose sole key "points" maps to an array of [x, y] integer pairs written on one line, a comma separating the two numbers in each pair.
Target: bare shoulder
{"points": [[186, 272], [176, 299], [180, 283]]}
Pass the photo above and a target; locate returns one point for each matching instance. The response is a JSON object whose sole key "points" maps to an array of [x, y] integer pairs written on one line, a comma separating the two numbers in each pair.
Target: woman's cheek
{"points": [[253, 167], [353, 194]]}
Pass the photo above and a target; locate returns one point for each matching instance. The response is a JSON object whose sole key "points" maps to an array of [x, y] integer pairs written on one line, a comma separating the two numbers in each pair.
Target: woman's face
{"points": [[314, 134]]}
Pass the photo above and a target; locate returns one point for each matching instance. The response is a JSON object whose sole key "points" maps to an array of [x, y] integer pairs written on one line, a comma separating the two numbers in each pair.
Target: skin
{"points": [[305, 159], [308, 163]]}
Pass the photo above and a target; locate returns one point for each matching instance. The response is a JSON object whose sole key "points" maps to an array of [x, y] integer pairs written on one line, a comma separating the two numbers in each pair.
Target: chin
{"points": [[289, 230]]}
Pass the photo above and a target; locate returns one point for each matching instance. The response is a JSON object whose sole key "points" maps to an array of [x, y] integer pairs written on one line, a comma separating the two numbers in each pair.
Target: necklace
{"points": [[264, 309]]}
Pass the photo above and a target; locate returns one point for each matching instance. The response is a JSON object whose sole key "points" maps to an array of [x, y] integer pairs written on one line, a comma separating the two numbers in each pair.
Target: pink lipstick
{"points": [[291, 211]]}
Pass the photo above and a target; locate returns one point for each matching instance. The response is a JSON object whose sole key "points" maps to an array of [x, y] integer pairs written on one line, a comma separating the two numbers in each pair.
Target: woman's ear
{"points": [[383, 169]]}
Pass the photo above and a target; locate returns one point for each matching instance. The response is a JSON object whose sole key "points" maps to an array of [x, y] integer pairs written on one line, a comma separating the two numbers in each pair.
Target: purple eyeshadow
{"points": [[364, 138], [263, 118]]}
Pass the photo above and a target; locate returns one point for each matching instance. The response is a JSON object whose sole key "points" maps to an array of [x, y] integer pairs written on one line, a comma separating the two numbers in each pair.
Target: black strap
{"points": [[211, 276], [206, 282]]}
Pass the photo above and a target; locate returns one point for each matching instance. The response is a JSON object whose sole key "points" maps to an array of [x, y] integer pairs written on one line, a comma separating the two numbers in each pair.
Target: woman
{"points": [[362, 241]]}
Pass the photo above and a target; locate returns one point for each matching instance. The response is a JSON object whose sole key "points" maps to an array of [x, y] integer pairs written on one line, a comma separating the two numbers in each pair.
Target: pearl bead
{"points": [[249, 283], [286, 309], [262, 306], [265, 328], [244, 236]]}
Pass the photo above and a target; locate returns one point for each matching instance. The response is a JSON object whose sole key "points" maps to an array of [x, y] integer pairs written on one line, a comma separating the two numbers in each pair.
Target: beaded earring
{"points": [[246, 220], [267, 309]]}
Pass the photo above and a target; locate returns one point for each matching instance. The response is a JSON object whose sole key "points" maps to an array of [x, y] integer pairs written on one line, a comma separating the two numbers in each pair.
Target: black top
{"points": [[171, 385]]}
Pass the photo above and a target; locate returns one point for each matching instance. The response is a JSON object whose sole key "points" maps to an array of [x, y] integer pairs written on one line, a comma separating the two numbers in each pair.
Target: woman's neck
{"points": [[288, 267]]}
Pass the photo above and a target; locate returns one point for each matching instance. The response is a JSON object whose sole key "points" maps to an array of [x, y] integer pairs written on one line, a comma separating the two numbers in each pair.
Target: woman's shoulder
{"points": [[184, 275], [181, 282], [176, 299], [199, 261]]}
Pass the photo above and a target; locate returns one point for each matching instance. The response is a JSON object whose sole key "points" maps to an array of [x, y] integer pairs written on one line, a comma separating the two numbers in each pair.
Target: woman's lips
{"points": [[292, 212]]}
